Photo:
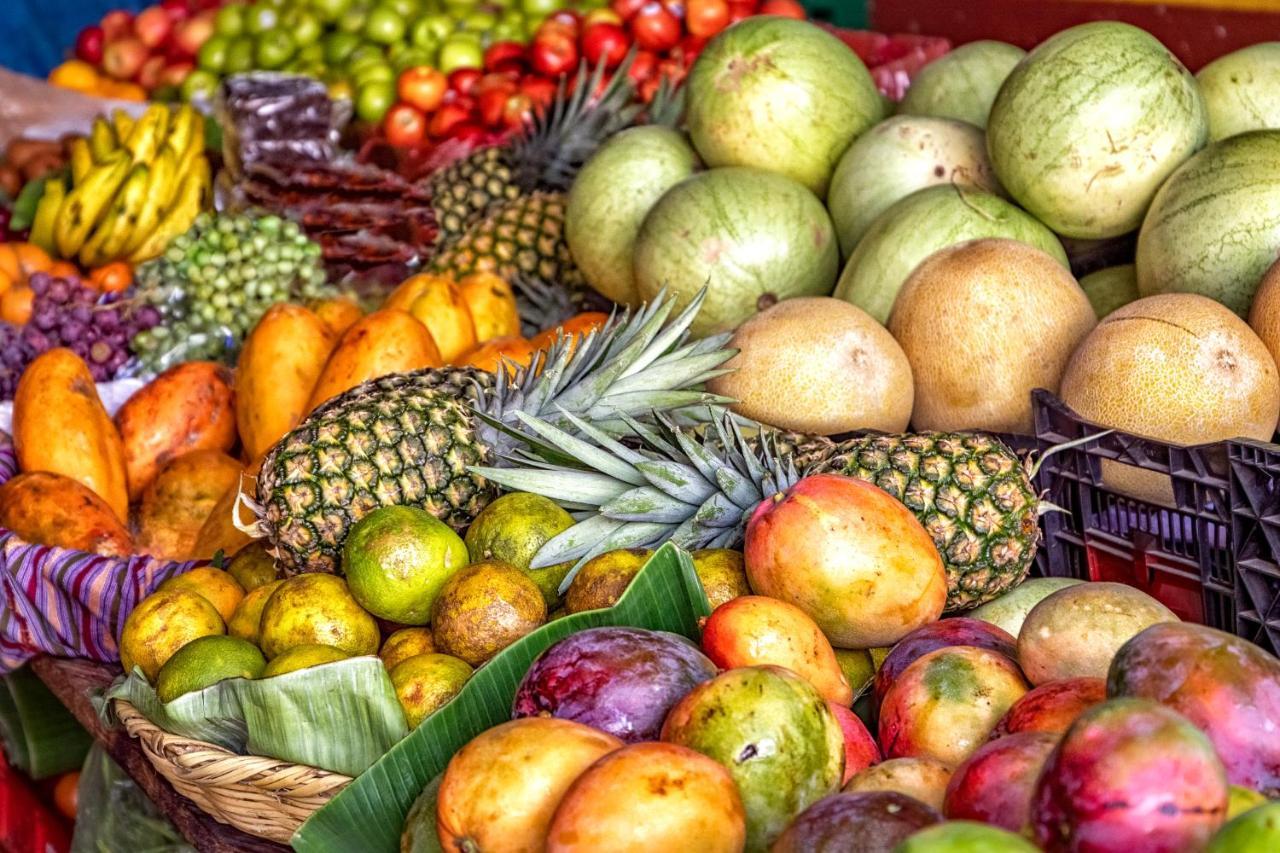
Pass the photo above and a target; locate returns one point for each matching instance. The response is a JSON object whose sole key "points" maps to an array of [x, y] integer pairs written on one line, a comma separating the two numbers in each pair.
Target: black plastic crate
{"points": [[1255, 528], [1184, 554]]}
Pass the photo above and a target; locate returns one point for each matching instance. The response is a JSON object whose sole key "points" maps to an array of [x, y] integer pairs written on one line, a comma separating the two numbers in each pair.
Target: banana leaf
{"points": [[368, 814], [338, 716], [39, 735]]}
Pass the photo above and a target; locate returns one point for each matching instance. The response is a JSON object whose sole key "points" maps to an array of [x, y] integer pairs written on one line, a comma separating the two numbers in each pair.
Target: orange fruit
{"points": [[338, 313], [9, 262], [32, 258], [64, 269], [112, 278], [577, 326], [493, 306], [66, 794], [76, 75], [6, 282], [442, 309], [407, 292], [15, 305], [490, 354]]}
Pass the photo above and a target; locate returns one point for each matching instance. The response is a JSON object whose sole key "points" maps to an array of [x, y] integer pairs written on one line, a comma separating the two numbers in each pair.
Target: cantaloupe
{"points": [[1264, 314], [984, 324], [1176, 367], [818, 365]]}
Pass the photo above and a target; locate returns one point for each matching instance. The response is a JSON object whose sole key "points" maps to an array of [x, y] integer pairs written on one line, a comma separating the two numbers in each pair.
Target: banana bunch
{"points": [[135, 185]]}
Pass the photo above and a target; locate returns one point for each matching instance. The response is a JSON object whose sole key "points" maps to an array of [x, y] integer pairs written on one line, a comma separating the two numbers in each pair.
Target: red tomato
{"points": [[607, 43], [504, 82], [405, 126], [463, 80], [89, 44], [422, 87], [505, 56], [541, 90], [566, 18], [626, 9], [518, 111], [446, 120], [492, 104], [654, 28], [783, 8], [705, 18], [554, 53], [642, 67]]}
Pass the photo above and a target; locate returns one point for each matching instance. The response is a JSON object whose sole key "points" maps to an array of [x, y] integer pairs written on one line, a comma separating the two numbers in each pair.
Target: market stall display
{"points": [[638, 437]]}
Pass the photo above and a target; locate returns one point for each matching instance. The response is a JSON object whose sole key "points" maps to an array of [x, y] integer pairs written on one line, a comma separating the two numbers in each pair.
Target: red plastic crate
{"points": [[27, 824]]}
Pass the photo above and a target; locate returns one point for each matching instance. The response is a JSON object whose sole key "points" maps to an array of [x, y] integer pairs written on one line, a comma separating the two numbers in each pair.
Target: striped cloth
{"points": [[66, 603]]}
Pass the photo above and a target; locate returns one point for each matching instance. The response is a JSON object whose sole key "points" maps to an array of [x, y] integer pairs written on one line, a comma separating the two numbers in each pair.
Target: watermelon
{"points": [[751, 237], [1214, 227], [1089, 125], [1242, 90], [1110, 288], [963, 84], [921, 224], [897, 157]]}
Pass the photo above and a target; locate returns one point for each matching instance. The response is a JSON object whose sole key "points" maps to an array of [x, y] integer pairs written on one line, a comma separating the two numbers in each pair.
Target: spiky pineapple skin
{"points": [[462, 191], [521, 236], [970, 491], [404, 439]]}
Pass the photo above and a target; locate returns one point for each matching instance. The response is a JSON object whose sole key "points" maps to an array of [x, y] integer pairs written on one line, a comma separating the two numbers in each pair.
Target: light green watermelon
{"points": [[1214, 227], [962, 84], [1088, 126], [921, 224], [1110, 288], [1242, 90]]}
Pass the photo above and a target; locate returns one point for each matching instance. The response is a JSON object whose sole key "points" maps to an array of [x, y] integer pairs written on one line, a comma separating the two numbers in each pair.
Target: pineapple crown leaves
{"points": [[697, 491]]}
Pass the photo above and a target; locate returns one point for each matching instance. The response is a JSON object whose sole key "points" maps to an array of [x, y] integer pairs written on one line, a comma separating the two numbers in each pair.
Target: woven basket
{"points": [[264, 797]]}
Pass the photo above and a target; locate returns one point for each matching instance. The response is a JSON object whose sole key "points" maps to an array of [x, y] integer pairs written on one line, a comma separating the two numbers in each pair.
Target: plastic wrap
{"points": [[115, 815]]}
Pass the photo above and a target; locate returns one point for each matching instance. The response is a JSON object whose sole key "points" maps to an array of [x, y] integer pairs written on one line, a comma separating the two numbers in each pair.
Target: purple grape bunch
{"points": [[65, 313]]}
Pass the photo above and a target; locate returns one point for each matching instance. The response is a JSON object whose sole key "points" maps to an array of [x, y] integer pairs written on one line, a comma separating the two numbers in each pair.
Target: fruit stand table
{"points": [[73, 681]]}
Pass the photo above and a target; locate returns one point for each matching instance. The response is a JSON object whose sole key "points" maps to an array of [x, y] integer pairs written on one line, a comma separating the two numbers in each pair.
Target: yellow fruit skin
{"points": [[316, 608], [162, 623], [213, 585], [277, 370], [219, 533], [50, 509], [338, 313], [61, 426], [445, 313], [179, 500], [493, 306], [425, 682], [404, 644], [1264, 314], [407, 292], [383, 342], [244, 622], [303, 657]]}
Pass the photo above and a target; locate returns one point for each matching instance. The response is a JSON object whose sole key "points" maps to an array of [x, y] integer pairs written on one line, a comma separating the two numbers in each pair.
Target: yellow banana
{"points": [[161, 187], [102, 140], [42, 224], [87, 201], [124, 123], [192, 198], [148, 134], [186, 127], [80, 158], [121, 221]]}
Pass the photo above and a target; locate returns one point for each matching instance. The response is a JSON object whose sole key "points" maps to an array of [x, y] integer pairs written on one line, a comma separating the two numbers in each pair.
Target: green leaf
{"points": [[39, 735], [369, 814], [24, 208]]}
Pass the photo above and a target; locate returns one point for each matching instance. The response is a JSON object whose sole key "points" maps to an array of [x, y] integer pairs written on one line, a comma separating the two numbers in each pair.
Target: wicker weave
{"points": [[264, 797]]}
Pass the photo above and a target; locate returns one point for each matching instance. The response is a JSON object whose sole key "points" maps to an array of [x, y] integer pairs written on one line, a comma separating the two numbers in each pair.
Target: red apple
{"points": [[123, 59], [174, 73], [860, 750], [89, 44], [554, 53], [149, 74], [607, 43], [505, 56], [178, 10], [655, 28], [116, 25], [463, 80], [191, 34], [153, 26], [625, 9]]}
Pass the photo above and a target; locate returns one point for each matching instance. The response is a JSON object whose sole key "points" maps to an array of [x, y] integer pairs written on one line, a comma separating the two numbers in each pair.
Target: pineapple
{"points": [[971, 492], [544, 306], [524, 235], [414, 439]]}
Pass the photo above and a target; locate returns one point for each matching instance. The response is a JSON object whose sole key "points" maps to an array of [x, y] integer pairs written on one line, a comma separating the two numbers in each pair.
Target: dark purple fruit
{"points": [[868, 822]]}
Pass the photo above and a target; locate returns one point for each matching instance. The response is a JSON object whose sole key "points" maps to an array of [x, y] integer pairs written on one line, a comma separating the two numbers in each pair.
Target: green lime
{"points": [[212, 55], [425, 682], [379, 72], [312, 55], [406, 9], [412, 57], [246, 619], [352, 20], [260, 18], [540, 8], [479, 21], [303, 657], [512, 529], [253, 566], [397, 558], [373, 101], [206, 661], [458, 8], [506, 30], [365, 53], [338, 46], [384, 26], [230, 20], [430, 30], [239, 56], [461, 50], [274, 49], [316, 608], [305, 27], [199, 85], [330, 10]]}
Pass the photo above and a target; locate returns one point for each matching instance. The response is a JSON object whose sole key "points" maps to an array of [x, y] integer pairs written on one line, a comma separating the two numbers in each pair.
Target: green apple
{"points": [[431, 30], [370, 74], [212, 55], [330, 10], [479, 21], [461, 50], [199, 85], [260, 18], [364, 53], [230, 20], [413, 57], [406, 9], [352, 20], [304, 26], [338, 47], [311, 54], [273, 49], [239, 57], [373, 100], [384, 26], [540, 8]]}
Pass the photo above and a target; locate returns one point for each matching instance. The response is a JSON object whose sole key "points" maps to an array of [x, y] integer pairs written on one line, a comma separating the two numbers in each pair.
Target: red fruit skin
{"points": [[705, 18], [995, 784], [540, 90], [153, 26], [463, 80], [740, 11], [783, 8], [1129, 775], [554, 53], [655, 28], [505, 56], [862, 822], [117, 24], [123, 59], [607, 43], [177, 10], [518, 111], [626, 9], [860, 750], [190, 35], [1052, 707], [173, 75], [405, 126], [446, 120], [492, 104], [89, 43], [1225, 685], [643, 66], [149, 74], [955, 631]]}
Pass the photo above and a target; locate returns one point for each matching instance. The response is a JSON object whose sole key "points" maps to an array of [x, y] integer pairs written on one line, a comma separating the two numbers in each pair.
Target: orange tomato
{"points": [[15, 305], [32, 258], [423, 87], [492, 353], [112, 278], [66, 794]]}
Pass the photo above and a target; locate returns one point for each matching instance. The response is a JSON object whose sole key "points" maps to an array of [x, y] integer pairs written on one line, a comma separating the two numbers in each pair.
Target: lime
{"points": [[376, 72], [252, 566], [330, 10], [303, 657], [316, 608], [406, 9], [305, 27], [540, 8], [373, 101], [406, 643], [162, 623], [247, 619], [512, 529], [230, 20], [273, 49], [506, 30], [397, 558], [338, 47], [425, 682], [212, 55], [219, 588], [430, 30], [479, 21], [239, 56], [352, 20], [414, 57], [260, 18], [602, 580], [207, 661], [723, 574], [365, 53], [461, 50], [312, 55], [384, 26], [483, 609]]}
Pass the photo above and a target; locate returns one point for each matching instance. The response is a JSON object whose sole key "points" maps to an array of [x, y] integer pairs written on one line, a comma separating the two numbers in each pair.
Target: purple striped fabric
{"points": [[66, 603]]}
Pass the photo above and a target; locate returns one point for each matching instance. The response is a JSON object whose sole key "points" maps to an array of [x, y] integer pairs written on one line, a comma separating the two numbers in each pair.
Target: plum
{"points": [[1130, 775], [620, 680], [1052, 707], [855, 823], [956, 631], [1227, 686], [994, 785]]}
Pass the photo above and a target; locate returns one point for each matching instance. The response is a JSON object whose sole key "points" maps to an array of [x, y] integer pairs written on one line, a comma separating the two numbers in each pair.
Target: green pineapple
{"points": [[544, 306], [971, 492], [415, 438], [523, 235]]}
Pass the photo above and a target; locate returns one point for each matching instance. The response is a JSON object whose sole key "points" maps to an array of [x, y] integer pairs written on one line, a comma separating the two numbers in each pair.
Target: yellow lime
{"points": [[162, 623], [406, 643], [253, 566], [244, 623], [215, 585], [316, 608], [205, 661], [425, 682], [303, 657]]}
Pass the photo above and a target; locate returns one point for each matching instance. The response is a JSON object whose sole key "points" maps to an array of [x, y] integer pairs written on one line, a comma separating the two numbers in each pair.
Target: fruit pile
{"points": [[25, 160]]}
